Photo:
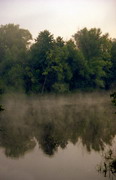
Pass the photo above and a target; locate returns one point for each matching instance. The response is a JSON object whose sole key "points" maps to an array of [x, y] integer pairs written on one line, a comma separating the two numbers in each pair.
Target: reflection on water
{"points": [[108, 164], [55, 121]]}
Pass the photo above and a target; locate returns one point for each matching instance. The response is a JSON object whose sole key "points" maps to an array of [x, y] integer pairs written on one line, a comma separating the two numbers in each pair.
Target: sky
{"points": [[61, 17]]}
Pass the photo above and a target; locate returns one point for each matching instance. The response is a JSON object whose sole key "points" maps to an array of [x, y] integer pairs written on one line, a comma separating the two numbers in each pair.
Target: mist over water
{"points": [[55, 123]]}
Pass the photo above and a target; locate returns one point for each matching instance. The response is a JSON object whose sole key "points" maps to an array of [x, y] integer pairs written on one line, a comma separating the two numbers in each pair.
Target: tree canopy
{"points": [[87, 61], [14, 43]]}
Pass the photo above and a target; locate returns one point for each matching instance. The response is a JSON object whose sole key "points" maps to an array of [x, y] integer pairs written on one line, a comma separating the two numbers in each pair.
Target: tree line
{"points": [[86, 61]]}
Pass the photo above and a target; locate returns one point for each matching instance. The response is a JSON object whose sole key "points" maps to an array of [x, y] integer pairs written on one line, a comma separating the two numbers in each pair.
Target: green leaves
{"points": [[49, 64], [13, 49], [96, 49]]}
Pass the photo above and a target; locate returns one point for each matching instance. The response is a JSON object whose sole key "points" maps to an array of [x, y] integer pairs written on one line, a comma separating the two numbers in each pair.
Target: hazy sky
{"points": [[60, 17]]}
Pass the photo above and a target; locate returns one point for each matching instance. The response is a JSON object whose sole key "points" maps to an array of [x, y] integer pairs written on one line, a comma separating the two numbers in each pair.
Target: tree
{"points": [[38, 61], [77, 65], [96, 49], [113, 59], [58, 71], [48, 68], [88, 61], [14, 43]]}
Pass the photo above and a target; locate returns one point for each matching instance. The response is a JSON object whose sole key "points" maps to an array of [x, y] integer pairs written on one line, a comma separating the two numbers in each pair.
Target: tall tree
{"points": [[96, 49], [77, 65], [38, 61], [14, 42]]}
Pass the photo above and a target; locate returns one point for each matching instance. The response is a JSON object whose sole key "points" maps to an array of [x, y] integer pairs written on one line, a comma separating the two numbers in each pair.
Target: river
{"points": [[56, 137]]}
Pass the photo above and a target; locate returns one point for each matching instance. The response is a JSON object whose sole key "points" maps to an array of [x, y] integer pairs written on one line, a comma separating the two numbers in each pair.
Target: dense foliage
{"points": [[87, 61]]}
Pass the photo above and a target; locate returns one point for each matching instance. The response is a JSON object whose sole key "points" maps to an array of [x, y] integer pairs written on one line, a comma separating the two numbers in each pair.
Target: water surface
{"points": [[56, 137]]}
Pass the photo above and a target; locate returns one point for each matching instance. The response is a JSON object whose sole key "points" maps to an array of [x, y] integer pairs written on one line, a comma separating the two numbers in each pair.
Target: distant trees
{"points": [[86, 61]]}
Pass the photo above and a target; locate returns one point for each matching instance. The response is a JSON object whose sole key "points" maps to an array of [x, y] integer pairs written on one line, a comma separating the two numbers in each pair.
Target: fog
{"points": [[54, 120]]}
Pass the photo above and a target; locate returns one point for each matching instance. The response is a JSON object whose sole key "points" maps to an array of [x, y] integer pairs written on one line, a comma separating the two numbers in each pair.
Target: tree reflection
{"points": [[108, 164], [1, 108], [54, 126], [47, 139], [16, 141]]}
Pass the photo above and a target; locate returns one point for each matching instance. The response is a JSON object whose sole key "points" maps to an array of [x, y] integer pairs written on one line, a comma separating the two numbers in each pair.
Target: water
{"points": [[56, 137]]}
